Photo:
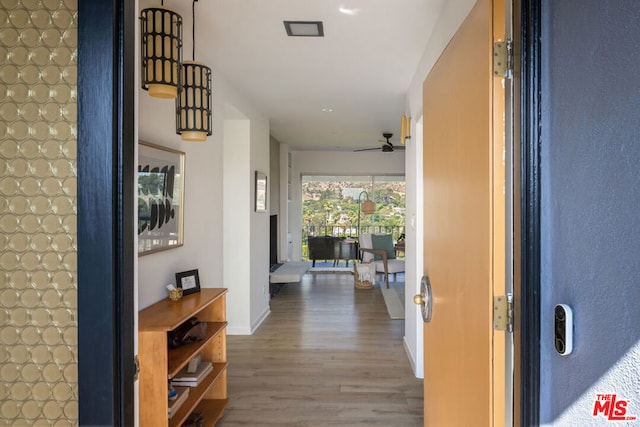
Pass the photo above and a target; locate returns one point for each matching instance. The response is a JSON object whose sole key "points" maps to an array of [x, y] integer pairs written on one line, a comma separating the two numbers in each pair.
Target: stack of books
{"points": [[175, 404], [184, 378]]}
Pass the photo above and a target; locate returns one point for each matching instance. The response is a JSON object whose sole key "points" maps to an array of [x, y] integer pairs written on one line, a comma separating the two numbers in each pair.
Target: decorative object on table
{"points": [[188, 281], [193, 104], [174, 293], [173, 394], [399, 246], [161, 38], [261, 192], [364, 275], [182, 393], [185, 379], [190, 331], [160, 198], [194, 364]]}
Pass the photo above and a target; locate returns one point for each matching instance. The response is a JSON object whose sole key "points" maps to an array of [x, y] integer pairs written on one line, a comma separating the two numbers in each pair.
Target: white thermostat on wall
{"points": [[563, 329]]}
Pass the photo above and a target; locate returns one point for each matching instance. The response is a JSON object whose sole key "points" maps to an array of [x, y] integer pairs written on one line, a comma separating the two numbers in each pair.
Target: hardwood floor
{"points": [[328, 355]]}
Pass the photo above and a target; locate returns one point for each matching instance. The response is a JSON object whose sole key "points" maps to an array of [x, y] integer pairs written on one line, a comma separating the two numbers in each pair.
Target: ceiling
{"points": [[337, 92]]}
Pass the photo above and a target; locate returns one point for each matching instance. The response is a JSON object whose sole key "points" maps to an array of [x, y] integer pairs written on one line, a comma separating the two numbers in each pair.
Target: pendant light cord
{"points": [[193, 30]]}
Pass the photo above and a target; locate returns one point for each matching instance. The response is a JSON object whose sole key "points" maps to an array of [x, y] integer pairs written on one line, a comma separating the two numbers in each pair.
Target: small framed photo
{"points": [[188, 281]]}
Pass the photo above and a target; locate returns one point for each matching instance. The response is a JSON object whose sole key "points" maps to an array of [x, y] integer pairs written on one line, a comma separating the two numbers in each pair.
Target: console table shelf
{"points": [[159, 363], [179, 357], [197, 396]]}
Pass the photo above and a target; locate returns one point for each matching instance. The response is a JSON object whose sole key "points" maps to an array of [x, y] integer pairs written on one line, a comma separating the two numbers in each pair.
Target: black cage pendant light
{"points": [[161, 35], [193, 104]]}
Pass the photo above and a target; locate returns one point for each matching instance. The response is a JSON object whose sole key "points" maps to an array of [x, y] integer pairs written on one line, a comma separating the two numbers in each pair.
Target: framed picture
{"points": [[261, 192], [160, 198], [188, 281]]}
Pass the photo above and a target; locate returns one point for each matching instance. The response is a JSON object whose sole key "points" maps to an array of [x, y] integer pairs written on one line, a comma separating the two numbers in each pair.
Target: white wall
{"points": [[413, 325], [333, 163], [247, 301], [236, 208], [259, 245], [284, 251]]}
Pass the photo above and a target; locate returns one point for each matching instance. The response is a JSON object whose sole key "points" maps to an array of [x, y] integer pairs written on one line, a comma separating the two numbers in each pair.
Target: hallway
{"points": [[328, 355]]}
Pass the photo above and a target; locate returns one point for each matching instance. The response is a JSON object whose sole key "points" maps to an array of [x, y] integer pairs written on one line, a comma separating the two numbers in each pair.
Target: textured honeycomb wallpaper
{"points": [[38, 330]]}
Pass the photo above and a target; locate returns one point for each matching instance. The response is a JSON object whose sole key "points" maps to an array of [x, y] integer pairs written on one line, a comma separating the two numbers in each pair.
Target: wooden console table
{"points": [[159, 363]]}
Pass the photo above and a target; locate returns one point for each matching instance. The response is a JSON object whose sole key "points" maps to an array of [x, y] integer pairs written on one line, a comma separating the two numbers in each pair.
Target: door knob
{"points": [[424, 299]]}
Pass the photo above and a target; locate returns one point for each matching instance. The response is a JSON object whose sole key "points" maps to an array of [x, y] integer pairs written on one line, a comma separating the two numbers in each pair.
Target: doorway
{"points": [[105, 224]]}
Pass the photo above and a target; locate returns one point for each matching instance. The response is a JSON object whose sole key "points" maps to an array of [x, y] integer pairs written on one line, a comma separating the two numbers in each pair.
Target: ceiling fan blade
{"points": [[386, 147]]}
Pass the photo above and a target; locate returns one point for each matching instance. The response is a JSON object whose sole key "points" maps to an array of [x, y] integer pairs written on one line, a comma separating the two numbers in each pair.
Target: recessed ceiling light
{"points": [[327, 110], [304, 28]]}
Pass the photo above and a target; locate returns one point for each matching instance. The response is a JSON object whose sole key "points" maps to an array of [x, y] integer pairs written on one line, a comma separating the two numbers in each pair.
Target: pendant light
{"points": [[161, 36], [193, 104]]}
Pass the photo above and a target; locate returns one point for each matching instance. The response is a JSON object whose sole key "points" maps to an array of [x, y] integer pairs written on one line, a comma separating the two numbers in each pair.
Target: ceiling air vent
{"points": [[304, 28]]}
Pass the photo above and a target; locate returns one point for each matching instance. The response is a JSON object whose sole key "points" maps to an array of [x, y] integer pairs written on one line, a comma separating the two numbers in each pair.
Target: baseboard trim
{"points": [[410, 356], [245, 330], [261, 319], [242, 330]]}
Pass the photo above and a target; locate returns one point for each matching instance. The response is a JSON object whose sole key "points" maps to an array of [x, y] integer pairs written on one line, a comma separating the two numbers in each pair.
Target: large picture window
{"points": [[331, 206]]}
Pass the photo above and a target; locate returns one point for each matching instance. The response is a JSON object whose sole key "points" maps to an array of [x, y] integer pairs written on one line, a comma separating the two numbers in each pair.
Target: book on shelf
{"points": [[183, 378], [174, 405]]}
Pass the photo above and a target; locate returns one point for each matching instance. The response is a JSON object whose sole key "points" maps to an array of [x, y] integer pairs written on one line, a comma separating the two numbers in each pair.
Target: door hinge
{"points": [[503, 58], [136, 365], [503, 313]]}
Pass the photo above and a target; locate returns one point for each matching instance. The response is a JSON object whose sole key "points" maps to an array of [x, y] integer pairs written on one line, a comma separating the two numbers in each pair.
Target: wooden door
{"points": [[464, 225]]}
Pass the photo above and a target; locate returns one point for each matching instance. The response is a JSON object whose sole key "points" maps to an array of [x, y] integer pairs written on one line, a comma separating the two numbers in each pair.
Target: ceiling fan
{"points": [[387, 147]]}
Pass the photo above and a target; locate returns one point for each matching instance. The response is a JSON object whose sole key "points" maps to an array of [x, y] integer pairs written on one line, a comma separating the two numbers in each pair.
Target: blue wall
{"points": [[590, 204]]}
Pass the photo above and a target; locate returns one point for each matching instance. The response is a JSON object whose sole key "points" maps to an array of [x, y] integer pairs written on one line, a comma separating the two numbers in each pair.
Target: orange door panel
{"points": [[464, 227]]}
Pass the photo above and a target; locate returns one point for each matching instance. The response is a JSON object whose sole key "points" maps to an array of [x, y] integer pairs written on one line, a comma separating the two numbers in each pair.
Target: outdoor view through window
{"points": [[331, 206]]}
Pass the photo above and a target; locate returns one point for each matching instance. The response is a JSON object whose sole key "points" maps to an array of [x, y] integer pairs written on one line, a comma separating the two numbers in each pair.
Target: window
{"points": [[331, 206]]}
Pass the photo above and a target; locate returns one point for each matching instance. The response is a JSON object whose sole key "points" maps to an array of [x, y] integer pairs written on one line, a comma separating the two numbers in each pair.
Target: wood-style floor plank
{"points": [[328, 355]]}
